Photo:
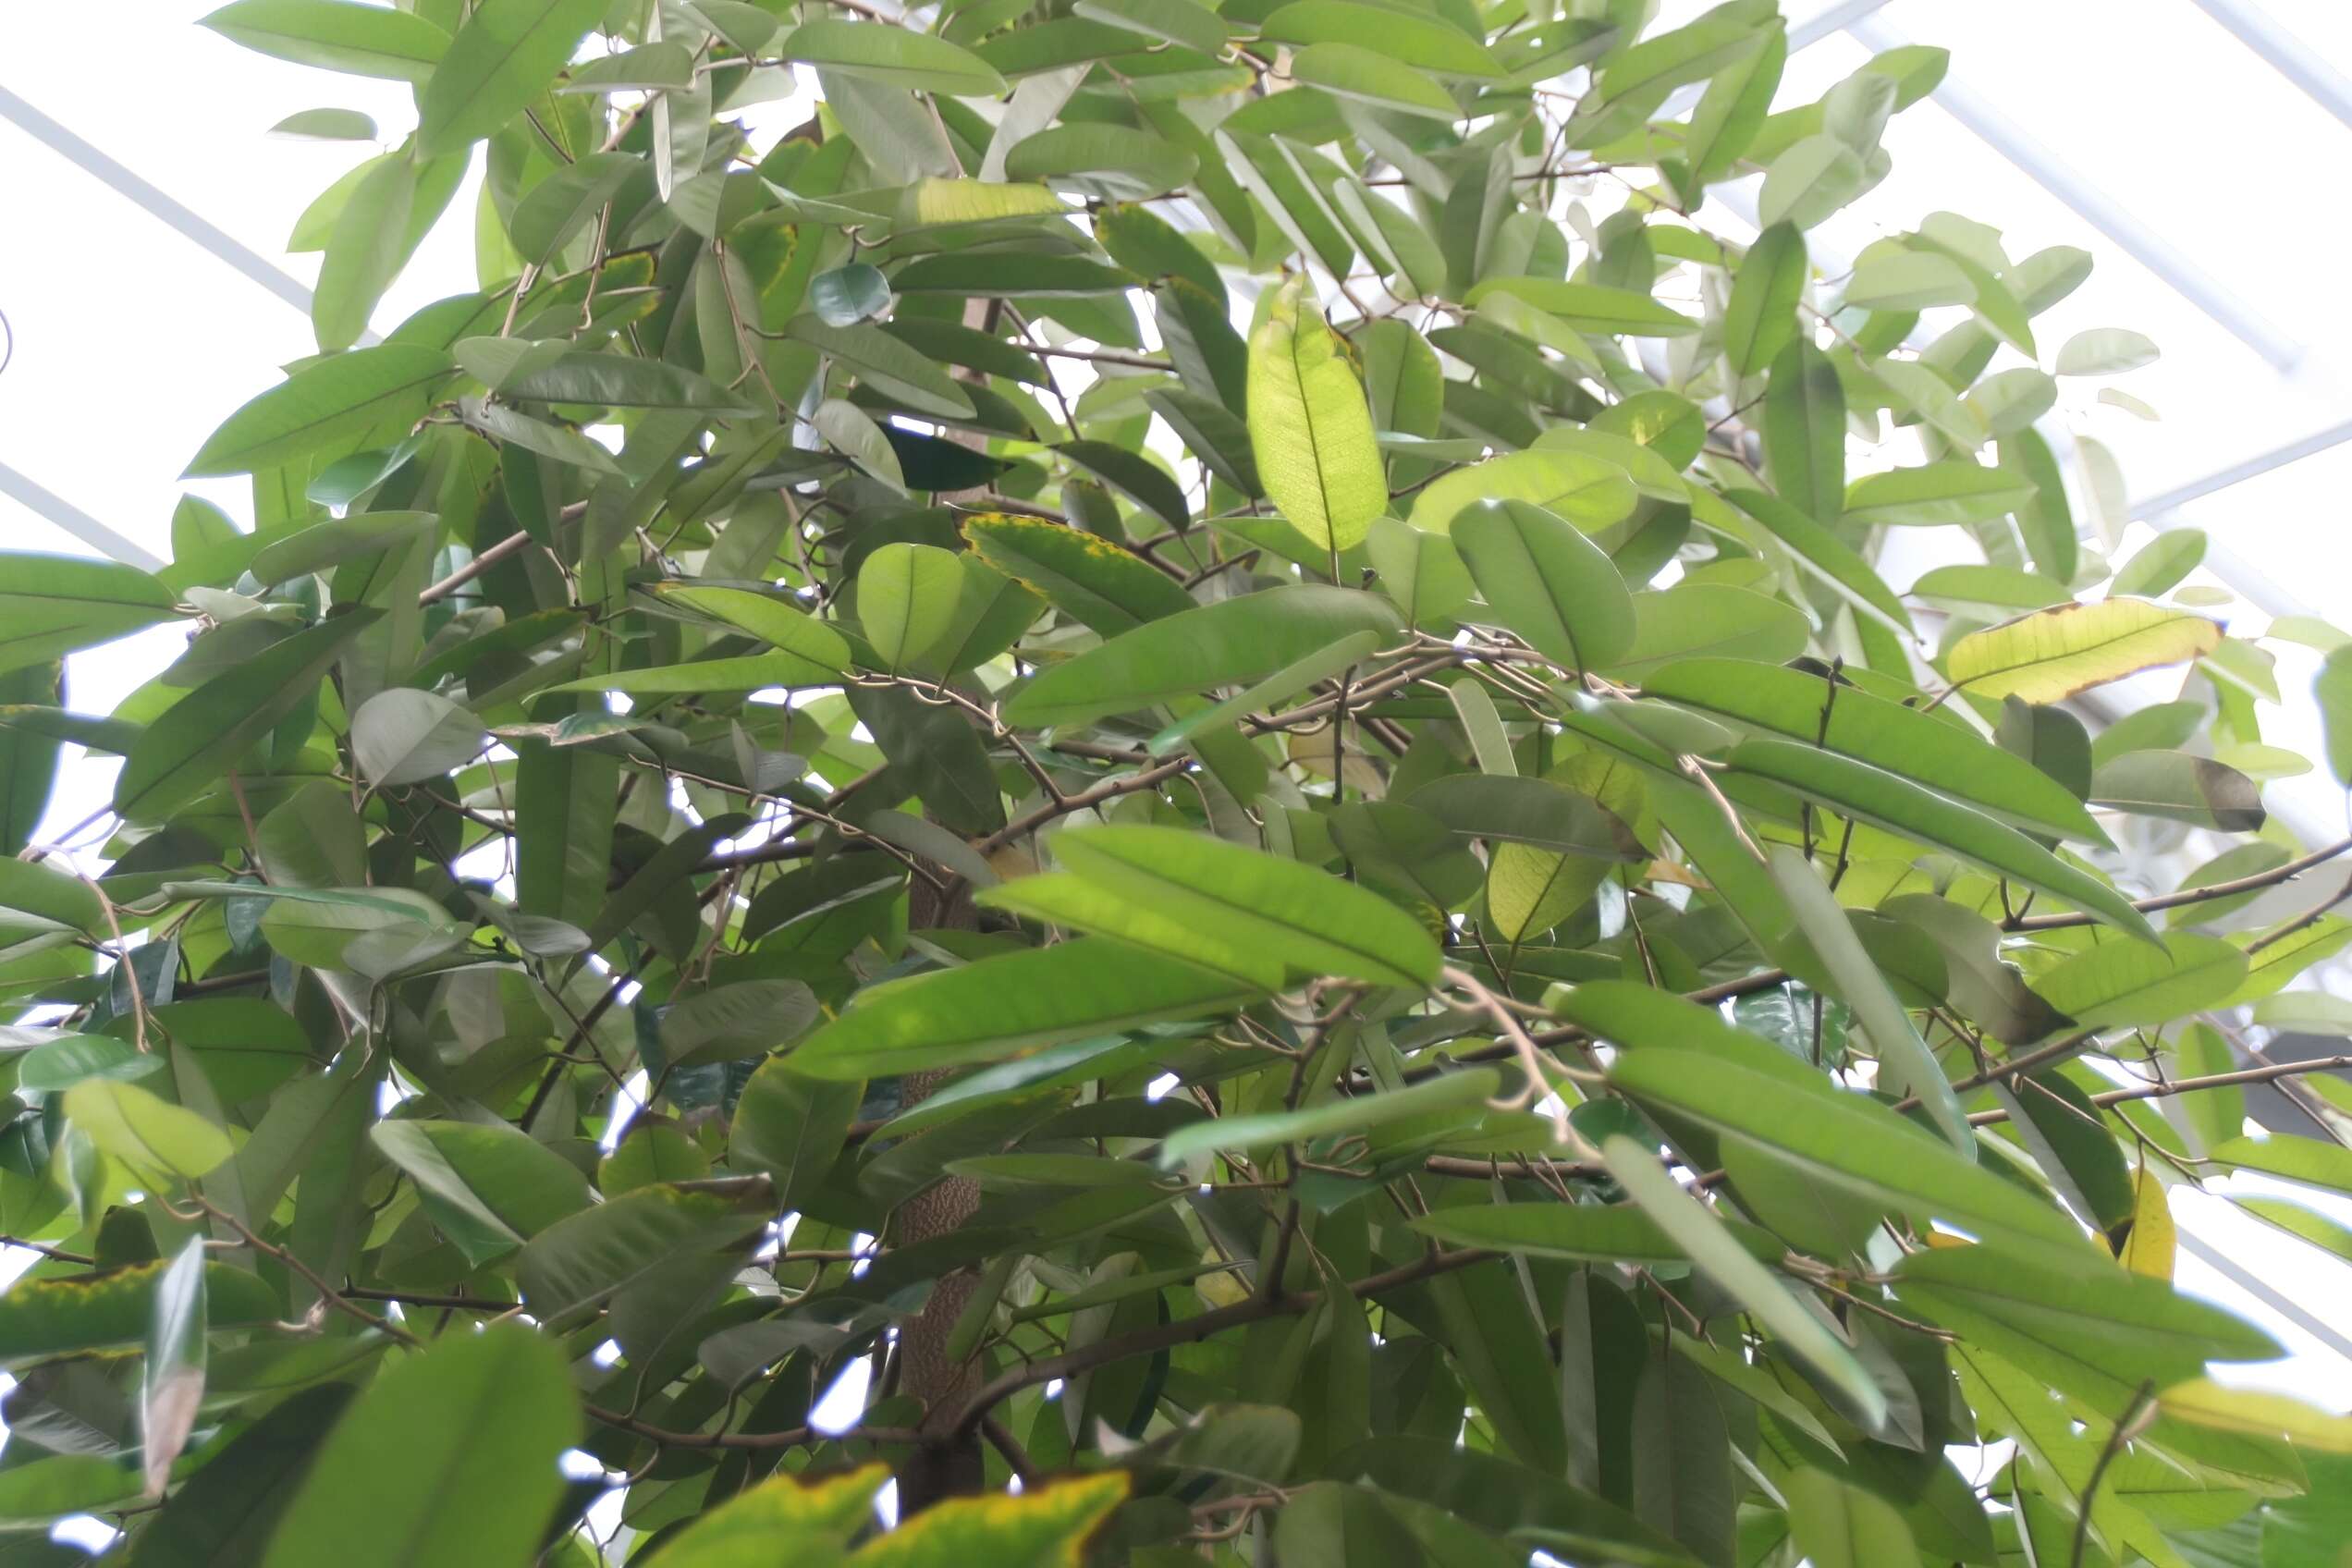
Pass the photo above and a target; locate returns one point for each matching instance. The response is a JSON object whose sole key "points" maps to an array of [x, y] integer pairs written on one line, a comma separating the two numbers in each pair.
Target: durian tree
{"points": [[1127, 781]]}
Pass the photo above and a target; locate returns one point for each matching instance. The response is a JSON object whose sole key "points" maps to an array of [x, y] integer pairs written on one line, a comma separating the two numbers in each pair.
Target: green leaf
{"points": [[1888, 800], [403, 735], [1111, 163], [81, 1312], [1168, 21], [2105, 350], [1232, 642], [1713, 619], [364, 251], [151, 1135], [1293, 914], [1588, 491], [907, 598], [1711, 1248], [222, 1515], [2056, 653], [335, 35], [1429, 41], [593, 1255], [2307, 1160], [1591, 307], [1805, 432], [1003, 1006], [1809, 183], [487, 1188], [1906, 1065], [556, 209], [2096, 1332], [829, 1509], [1526, 811], [447, 1457], [1954, 491], [41, 895], [1616, 1232], [54, 605], [896, 57], [506, 53], [1352, 71], [2182, 787], [1683, 1059], [1839, 1525], [328, 408], [767, 617], [791, 1128], [206, 733], [1548, 581], [1086, 578], [1310, 430], [618, 380], [1760, 320], [1048, 1525], [1948, 759], [1347, 1114]]}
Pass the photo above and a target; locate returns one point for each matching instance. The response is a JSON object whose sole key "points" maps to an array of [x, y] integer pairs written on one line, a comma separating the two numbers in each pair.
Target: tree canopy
{"points": [[1160, 784]]}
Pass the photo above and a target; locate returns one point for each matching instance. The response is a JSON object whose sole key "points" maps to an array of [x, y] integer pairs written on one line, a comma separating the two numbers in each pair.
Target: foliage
{"points": [[1182, 728]]}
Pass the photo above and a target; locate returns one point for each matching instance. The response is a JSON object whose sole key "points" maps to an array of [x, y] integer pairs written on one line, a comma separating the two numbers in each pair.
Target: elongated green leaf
{"points": [[1230, 642], [1588, 491], [1591, 307], [1350, 70], [337, 35], [1839, 1525], [488, 1189], [1001, 1007], [1548, 581], [1888, 801], [1948, 758], [1683, 1057], [1428, 41], [1617, 1233], [1760, 320], [325, 408], [403, 735], [1346, 1114], [767, 617], [2117, 982], [448, 1457], [1698, 1232], [896, 57], [2096, 1332], [151, 1135], [2182, 787], [1940, 493], [1906, 1065], [596, 1253], [1291, 914], [907, 598], [1709, 620], [620, 381], [2052, 654], [504, 55], [200, 737], [1310, 430]]}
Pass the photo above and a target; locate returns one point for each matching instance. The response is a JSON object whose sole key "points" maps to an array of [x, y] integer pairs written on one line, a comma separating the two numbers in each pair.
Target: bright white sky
{"points": [[131, 343]]}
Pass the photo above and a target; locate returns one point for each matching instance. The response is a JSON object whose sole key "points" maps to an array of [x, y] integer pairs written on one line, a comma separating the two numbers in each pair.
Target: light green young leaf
{"points": [[1310, 430]]}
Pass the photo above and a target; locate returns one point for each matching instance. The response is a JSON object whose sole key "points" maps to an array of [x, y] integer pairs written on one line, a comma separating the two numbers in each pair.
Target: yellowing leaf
{"points": [[1310, 430], [1046, 1527], [2150, 1245], [2050, 655], [746, 1527], [2207, 1403]]}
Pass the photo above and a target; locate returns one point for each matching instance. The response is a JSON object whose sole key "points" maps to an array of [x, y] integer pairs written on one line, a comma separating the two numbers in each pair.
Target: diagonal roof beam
{"points": [[2101, 210], [2285, 54], [129, 185], [73, 519], [1830, 19]]}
